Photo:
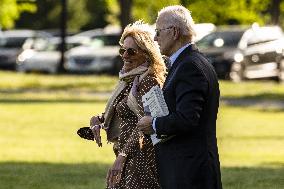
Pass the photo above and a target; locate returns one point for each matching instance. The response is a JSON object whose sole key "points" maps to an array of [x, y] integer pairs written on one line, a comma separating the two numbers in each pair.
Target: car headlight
{"points": [[238, 57], [26, 54]]}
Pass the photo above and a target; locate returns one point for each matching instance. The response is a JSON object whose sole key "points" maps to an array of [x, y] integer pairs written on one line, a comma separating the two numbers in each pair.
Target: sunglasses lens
{"points": [[131, 51], [122, 51]]}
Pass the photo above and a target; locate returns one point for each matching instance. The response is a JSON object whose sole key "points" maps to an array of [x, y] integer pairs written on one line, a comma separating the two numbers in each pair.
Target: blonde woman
{"points": [[143, 68]]}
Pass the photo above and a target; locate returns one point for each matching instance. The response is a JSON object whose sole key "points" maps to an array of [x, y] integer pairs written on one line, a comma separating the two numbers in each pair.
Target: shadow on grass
{"points": [[264, 102], [253, 177], [260, 96], [21, 175], [271, 96]]}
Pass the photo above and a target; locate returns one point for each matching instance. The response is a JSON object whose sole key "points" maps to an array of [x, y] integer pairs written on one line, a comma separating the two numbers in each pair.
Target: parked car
{"points": [[203, 29], [44, 55], [112, 32], [239, 53], [11, 43], [100, 56]]}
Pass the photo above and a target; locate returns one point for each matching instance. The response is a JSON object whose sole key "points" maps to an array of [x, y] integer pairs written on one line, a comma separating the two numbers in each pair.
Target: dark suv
{"points": [[239, 53]]}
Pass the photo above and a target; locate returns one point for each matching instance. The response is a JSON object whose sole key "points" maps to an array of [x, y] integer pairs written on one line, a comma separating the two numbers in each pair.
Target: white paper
{"points": [[154, 102]]}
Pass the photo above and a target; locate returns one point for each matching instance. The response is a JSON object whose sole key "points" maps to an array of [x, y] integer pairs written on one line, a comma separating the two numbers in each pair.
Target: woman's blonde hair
{"points": [[143, 36]]}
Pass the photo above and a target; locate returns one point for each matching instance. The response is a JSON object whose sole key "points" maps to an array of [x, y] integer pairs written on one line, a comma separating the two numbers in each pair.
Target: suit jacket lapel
{"points": [[175, 64]]}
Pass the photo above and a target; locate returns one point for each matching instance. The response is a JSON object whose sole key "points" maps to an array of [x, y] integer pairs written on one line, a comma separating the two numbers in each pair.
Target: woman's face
{"points": [[131, 54]]}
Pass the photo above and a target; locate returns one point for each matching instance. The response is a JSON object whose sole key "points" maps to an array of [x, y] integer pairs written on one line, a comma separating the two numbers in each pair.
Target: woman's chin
{"points": [[128, 66], [127, 62]]}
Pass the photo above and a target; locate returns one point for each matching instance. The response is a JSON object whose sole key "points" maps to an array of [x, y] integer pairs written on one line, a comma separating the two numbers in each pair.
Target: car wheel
{"points": [[20, 68], [117, 65], [237, 72], [281, 71], [53, 70]]}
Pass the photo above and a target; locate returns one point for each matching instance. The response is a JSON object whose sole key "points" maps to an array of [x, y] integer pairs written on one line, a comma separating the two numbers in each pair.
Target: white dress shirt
{"points": [[172, 59]]}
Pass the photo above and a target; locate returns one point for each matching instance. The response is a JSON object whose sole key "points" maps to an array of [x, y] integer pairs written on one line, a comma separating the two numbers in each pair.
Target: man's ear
{"points": [[176, 33]]}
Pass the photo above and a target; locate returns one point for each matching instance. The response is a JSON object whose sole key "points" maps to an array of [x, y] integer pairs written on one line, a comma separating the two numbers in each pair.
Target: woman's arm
{"points": [[137, 139], [95, 126]]}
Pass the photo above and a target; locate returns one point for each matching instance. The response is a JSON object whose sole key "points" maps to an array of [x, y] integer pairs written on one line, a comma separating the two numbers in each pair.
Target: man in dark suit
{"points": [[187, 157]]}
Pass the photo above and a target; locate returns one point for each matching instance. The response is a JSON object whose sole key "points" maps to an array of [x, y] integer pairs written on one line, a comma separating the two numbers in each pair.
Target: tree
{"points": [[221, 12], [148, 10], [10, 10], [126, 11], [98, 12], [120, 12], [85, 14], [275, 11], [125, 16]]}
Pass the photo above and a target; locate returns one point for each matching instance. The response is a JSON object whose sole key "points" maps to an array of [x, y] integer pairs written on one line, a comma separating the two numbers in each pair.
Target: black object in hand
{"points": [[86, 133]]}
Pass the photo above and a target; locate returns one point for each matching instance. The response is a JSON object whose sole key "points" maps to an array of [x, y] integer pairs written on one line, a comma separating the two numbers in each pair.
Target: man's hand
{"points": [[96, 128], [145, 125]]}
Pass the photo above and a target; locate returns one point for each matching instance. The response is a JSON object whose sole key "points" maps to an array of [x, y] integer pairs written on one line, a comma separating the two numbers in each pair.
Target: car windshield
{"points": [[220, 39], [107, 40], [12, 42]]}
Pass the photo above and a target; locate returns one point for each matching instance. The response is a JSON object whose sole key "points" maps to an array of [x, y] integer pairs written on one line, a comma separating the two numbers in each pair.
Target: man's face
{"points": [[164, 36]]}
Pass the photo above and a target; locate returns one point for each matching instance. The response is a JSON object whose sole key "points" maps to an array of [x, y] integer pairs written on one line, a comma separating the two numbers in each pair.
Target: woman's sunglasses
{"points": [[129, 51]]}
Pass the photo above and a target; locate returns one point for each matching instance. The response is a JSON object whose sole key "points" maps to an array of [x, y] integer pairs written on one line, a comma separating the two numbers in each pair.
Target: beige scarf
{"points": [[124, 79]]}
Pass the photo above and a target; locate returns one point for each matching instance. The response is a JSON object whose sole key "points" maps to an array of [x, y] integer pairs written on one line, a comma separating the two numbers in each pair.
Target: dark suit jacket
{"points": [[190, 159]]}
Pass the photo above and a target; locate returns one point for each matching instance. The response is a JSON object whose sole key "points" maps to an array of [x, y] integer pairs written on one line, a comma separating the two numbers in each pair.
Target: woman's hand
{"points": [[95, 126], [114, 173]]}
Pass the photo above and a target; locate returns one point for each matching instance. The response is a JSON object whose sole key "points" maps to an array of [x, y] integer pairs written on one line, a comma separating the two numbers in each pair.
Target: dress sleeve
{"points": [[133, 145]]}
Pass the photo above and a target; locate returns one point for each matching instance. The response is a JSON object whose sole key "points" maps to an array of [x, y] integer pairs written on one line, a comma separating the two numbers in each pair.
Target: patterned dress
{"points": [[140, 170]]}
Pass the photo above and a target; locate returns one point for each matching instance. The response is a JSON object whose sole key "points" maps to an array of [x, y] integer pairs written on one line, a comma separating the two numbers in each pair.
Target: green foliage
{"points": [[145, 10], [113, 8], [98, 12], [148, 10], [221, 12], [89, 14], [8, 13], [77, 14], [83, 14], [10, 10], [282, 14]]}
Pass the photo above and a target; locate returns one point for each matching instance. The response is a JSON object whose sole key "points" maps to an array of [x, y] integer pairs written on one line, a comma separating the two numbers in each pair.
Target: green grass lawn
{"points": [[12, 81], [39, 148]]}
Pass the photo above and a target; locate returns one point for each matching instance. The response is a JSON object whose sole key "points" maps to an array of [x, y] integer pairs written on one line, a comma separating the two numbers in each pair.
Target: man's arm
{"points": [[190, 91]]}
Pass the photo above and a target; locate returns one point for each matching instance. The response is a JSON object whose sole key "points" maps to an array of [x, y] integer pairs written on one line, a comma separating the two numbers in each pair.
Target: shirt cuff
{"points": [[154, 124]]}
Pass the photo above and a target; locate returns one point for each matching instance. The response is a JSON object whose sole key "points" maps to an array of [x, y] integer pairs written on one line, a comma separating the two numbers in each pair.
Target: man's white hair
{"points": [[179, 17]]}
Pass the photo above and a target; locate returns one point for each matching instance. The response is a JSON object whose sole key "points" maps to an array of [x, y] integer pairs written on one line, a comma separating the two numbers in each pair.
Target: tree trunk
{"points": [[63, 34], [125, 12], [275, 11], [184, 3]]}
